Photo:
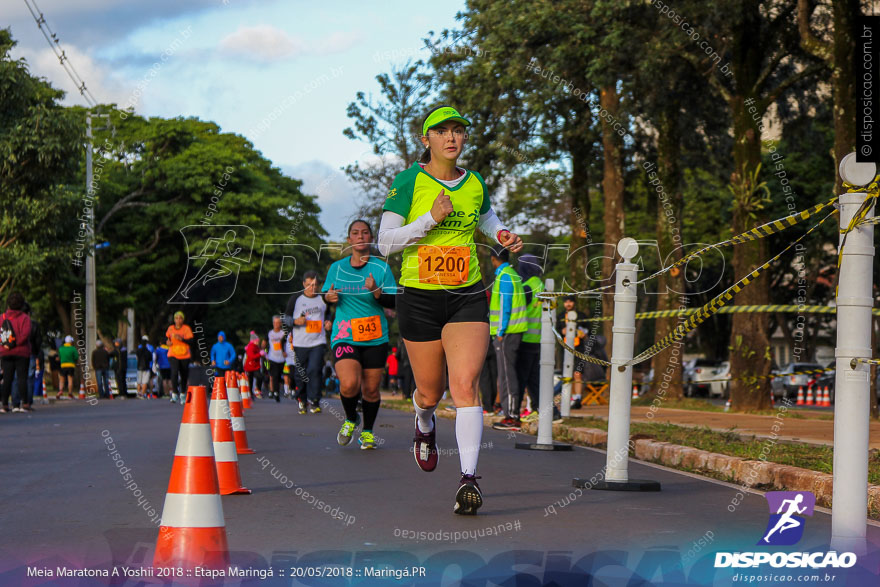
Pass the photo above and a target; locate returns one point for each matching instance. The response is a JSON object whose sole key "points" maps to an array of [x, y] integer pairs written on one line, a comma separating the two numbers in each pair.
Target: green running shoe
{"points": [[347, 431], [367, 441]]}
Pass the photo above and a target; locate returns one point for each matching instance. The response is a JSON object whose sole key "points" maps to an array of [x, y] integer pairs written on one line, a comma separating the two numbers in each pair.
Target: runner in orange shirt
{"points": [[178, 356]]}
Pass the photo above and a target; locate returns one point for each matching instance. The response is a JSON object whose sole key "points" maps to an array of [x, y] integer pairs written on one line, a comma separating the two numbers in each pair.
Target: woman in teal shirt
{"points": [[360, 286]]}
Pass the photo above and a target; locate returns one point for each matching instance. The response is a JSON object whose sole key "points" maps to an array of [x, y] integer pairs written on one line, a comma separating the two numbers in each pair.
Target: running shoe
{"points": [[468, 498], [301, 405], [316, 408], [531, 417], [367, 440], [557, 415], [425, 447], [347, 431], [173, 399], [16, 410], [508, 424]]}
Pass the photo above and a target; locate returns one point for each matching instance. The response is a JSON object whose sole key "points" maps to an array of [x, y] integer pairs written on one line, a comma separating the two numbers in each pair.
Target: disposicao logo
{"points": [[785, 528]]}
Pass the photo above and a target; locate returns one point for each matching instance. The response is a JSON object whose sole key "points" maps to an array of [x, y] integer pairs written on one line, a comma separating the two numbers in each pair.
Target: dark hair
{"points": [[15, 301], [501, 252], [311, 273], [426, 156], [350, 226]]}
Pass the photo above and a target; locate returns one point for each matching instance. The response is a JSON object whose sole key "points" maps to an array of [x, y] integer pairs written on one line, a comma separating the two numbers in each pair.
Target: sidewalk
{"points": [[806, 430]]}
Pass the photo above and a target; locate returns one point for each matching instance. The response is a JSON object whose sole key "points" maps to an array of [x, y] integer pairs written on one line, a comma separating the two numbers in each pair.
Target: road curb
{"points": [[750, 473]]}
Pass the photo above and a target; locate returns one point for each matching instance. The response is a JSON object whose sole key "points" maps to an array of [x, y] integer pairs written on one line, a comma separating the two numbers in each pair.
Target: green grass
{"points": [[729, 442], [701, 405]]}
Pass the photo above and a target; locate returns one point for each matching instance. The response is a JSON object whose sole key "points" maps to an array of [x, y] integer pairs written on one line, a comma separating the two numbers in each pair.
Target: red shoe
{"points": [[425, 447]]}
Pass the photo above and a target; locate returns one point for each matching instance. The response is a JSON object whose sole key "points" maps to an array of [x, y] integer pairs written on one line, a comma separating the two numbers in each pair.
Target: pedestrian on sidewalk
{"points": [[68, 356], [507, 324], [144, 356], [101, 368], [222, 355], [15, 351]]}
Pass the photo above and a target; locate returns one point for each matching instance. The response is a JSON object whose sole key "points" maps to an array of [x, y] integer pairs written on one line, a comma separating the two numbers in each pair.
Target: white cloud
{"points": [[337, 196], [100, 81], [267, 43], [263, 43]]}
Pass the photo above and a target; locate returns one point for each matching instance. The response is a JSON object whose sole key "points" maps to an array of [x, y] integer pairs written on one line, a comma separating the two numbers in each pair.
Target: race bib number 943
{"points": [[363, 329]]}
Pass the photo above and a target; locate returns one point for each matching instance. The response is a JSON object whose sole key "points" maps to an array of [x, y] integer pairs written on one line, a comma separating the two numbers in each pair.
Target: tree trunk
{"points": [[581, 235], [671, 285], [843, 82], [612, 187], [750, 344]]}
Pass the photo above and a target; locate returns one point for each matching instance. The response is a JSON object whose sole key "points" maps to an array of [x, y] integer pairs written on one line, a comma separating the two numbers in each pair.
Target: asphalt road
{"points": [[66, 504]]}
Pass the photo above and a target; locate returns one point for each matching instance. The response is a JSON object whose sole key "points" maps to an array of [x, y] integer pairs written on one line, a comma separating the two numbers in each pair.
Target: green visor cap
{"points": [[442, 115]]}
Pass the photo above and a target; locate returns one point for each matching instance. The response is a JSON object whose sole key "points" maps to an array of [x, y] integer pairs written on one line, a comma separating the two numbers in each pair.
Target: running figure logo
{"points": [[212, 273], [786, 526]]}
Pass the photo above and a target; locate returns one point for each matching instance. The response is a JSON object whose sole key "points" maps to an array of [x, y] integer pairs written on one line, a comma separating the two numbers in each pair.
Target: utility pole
{"points": [[91, 293], [91, 305]]}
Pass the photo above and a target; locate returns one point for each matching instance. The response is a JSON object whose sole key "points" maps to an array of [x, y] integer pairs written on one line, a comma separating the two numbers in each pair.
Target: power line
{"points": [[63, 59]]}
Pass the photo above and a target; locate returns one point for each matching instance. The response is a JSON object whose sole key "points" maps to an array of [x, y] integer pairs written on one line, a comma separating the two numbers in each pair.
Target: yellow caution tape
{"points": [[759, 232], [852, 363], [717, 302], [750, 378], [858, 218], [579, 354], [731, 310]]}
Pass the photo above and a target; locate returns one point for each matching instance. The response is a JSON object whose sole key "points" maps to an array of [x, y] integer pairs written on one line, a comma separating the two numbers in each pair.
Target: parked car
{"points": [[697, 373], [786, 383], [130, 377], [820, 380], [721, 388]]}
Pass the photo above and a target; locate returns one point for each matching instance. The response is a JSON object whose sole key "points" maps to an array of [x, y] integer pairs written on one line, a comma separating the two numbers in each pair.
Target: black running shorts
{"points": [[424, 312], [370, 357]]}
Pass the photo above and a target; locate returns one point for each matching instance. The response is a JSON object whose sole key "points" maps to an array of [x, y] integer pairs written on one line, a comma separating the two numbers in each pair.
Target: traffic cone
{"points": [[635, 392], [727, 406], [193, 531], [238, 427], [45, 399], [800, 396], [772, 399], [826, 398], [228, 473], [810, 401], [82, 390], [246, 401]]}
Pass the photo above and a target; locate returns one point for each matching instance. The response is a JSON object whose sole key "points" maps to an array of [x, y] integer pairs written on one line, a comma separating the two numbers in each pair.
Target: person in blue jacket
{"points": [[222, 355]]}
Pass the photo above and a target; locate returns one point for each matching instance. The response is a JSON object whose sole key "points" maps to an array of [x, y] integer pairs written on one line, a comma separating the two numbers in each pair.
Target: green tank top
{"points": [[446, 257]]}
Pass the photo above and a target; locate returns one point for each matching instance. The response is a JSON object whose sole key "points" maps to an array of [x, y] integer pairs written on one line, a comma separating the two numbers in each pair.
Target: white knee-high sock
{"points": [[469, 434], [424, 415]]}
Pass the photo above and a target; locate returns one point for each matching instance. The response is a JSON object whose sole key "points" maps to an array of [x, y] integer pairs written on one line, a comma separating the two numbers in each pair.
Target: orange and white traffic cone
{"points": [[82, 391], [800, 396], [193, 530], [810, 401], [228, 473], [772, 398], [246, 401], [635, 392], [826, 398], [238, 427], [45, 399], [727, 406]]}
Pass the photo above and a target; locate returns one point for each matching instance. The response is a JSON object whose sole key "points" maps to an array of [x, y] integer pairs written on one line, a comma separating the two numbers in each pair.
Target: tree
{"points": [[392, 126], [838, 54], [40, 147], [760, 38]]}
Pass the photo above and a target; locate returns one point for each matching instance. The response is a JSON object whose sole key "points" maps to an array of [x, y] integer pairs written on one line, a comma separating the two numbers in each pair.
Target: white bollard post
{"points": [[548, 364], [568, 364], [616, 476], [852, 391]]}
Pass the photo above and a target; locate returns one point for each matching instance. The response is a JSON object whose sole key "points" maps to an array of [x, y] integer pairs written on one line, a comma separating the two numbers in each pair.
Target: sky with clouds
{"points": [[237, 62]]}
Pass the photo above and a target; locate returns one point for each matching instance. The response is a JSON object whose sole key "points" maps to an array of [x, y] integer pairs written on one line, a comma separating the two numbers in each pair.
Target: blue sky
{"points": [[234, 62]]}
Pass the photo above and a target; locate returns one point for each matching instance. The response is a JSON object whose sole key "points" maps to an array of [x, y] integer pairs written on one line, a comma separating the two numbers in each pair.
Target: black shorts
{"points": [[424, 312], [370, 357], [165, 373], [68, 371]]}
